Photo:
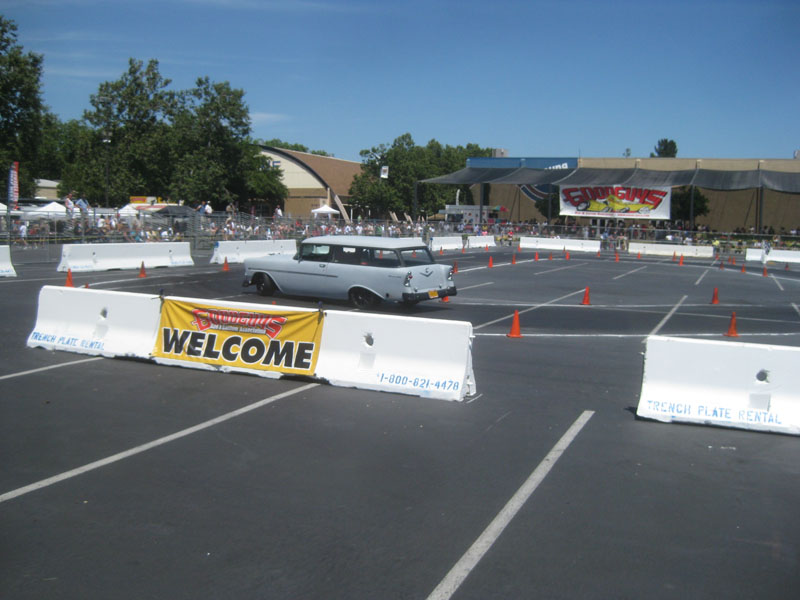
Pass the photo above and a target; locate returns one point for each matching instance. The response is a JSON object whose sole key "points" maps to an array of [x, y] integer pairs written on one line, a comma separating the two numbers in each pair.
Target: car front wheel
{"points": [[264, 284]]}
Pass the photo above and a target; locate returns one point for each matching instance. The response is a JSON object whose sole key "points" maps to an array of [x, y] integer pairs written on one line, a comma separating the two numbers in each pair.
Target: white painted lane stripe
{"points": [[628, 273], [501, 319], [470, 287], [667, 317], [796, 308], [778, 283], [58, 366], [448, 586], [699, 279], [150, 445]]}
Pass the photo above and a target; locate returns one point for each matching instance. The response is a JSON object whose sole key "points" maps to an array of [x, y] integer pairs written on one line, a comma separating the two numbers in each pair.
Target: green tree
{"points": [[264, 182], [408, 164], [130, 122], [210, 144], [665, 148], [681, 205], [21, 107]]}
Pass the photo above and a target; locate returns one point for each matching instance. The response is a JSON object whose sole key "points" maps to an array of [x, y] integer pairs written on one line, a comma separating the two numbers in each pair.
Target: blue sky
{"points": [[539, 78]]}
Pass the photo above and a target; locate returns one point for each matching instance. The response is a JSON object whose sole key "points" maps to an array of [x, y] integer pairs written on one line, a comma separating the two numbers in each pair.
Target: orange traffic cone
{"points": [[765, 274], [487, 247], [673, 257], [536, 256], [455, 266], [463, 249], [550, 257], [598, 254], [732, 327], [441, 251], [513, 259], [225, 266], [445, 298], [585, 301], [68, 282], [616, 256], [639, 255], [514, 333], [743, 269], [680, 262], [86, 285], [491, 262], [142, 273], [566, 255], [715, 297]]}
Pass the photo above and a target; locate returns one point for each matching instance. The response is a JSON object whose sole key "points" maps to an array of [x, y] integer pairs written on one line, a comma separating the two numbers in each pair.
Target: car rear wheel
{"points": [[361, 298], [264, 284]]}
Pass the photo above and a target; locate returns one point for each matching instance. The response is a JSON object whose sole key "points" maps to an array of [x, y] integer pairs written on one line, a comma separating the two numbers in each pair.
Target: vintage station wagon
{"points": [[362, 269]]}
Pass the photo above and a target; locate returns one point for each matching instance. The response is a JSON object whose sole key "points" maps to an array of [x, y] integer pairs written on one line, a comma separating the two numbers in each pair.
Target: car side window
{"points": [[416, 256], [384, 258], [348, 255], [315, 252]]}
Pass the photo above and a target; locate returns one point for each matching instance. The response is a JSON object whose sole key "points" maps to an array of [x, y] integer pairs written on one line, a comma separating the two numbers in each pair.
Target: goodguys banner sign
{"points": [[282, 341], [616, 201]]}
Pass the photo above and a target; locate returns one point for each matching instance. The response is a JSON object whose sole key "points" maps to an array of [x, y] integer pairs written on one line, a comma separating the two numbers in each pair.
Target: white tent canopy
{"points": [[325, 210], [53, 209]]}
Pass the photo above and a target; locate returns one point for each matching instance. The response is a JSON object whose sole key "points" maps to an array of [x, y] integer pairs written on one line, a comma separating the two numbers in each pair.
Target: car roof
{"points": [[367, 241]]}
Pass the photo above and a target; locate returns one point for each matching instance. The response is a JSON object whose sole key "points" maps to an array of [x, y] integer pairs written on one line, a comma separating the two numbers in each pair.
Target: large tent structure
{"points": [[728, 179]]}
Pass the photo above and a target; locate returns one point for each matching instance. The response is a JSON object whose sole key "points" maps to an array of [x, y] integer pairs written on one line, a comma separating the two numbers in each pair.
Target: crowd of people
{"points": [[84, 224]]}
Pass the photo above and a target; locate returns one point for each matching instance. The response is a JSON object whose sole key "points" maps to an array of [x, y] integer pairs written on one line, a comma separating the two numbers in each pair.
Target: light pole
{"points": [[107, 143]]}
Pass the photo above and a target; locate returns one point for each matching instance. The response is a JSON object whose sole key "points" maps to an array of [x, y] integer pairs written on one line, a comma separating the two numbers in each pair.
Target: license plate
{"points": [[433, 294]]}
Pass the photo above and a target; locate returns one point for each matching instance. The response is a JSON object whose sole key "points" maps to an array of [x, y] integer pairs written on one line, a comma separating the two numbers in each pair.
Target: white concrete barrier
{"points": [[6, 268], [729, 384], [778, 256], [671, 250], [237, 251], [423, 357], [446, 243], [559, 244], [755, 255], [480, 241], [96, 322], [106, 257]]}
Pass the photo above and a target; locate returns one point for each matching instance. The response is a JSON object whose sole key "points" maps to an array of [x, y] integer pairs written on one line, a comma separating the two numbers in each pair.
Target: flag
{"points": [[13, 187]]}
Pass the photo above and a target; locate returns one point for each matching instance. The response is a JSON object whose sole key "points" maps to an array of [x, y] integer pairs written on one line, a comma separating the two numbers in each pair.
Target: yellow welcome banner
{"points": [[282, 341]]}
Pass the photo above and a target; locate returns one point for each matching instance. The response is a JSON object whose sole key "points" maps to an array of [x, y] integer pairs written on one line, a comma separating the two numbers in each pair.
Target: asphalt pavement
{"points": [[125, 479]]}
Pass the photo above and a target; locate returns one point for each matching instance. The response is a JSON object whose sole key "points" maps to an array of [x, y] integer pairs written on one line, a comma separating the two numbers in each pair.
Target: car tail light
{"points": [[407, 280], [450, 274]]}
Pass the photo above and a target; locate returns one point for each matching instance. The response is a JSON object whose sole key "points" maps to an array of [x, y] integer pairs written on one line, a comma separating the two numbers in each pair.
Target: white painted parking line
{"points": [[472, 287], [150, 445], [699, 279], [778, 283], [448, 586], [58, 366], [628, 273], [501, 319], [669, 314]]}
